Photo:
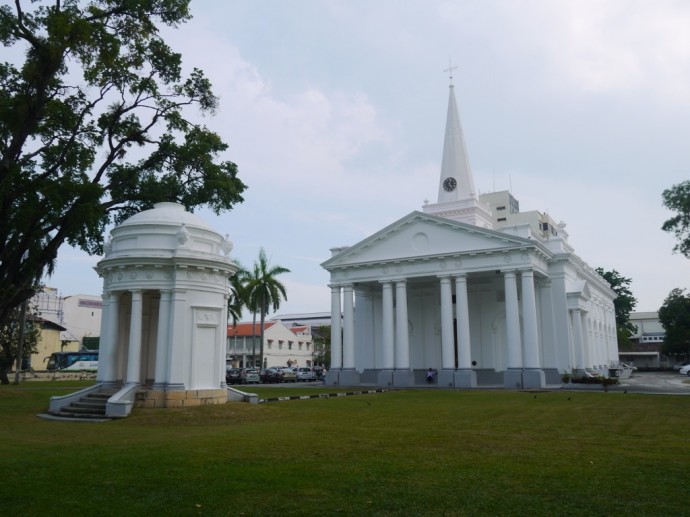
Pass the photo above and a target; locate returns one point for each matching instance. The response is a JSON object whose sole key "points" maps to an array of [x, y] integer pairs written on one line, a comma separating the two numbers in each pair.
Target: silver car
{"points": [[305, 374]]}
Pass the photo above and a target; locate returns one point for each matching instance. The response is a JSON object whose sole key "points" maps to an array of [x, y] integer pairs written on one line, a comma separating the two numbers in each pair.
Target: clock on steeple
{"points": [[449, 184]]}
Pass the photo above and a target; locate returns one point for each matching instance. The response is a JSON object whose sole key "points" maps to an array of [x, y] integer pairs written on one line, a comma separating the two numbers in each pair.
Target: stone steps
{"points": [[89, 407]]}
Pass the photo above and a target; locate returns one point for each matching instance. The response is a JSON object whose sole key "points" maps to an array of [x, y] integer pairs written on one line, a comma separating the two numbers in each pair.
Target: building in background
{"points": [[79, 314], [283, 346], [646, 342]]}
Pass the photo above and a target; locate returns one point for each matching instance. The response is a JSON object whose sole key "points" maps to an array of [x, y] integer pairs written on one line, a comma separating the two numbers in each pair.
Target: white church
{"points": [[481, 293]]}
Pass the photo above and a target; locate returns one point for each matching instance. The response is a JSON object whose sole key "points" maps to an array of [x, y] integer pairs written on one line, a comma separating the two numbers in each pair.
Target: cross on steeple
{"points": [[450, 71]]}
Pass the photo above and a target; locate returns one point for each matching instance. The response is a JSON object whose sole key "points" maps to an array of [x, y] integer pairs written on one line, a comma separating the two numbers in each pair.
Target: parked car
{"points": [[272, 375], [678, 366], [318, 372], [250, 376], [305, 374], [685, 370], [232, 376], [289, 374]]}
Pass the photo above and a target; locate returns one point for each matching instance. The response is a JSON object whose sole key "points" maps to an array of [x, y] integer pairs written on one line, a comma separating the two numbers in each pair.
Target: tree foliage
{"points": [[322, 345], [674, 316], [677, 198], [94, 127], [9, 339], [264, 292], [624, 303]]}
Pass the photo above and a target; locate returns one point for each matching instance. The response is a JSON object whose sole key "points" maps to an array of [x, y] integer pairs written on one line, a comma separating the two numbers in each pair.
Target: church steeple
{"points": [[456, 182], [457, 198]]}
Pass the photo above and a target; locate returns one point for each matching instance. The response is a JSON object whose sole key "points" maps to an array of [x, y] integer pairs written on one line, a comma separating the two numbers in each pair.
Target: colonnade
{"points": [[171, 322], [523, 348]]}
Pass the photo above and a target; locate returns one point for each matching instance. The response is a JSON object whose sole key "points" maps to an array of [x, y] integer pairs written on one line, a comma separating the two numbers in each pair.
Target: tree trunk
{"points": [[4, 379]]}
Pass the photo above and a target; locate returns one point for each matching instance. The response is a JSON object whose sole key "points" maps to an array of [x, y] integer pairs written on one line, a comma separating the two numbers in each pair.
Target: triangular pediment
{"points": [[420, 235]]}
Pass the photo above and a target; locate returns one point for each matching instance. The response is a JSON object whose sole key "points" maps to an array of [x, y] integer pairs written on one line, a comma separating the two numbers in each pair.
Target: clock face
{"points": [[449, 184]]}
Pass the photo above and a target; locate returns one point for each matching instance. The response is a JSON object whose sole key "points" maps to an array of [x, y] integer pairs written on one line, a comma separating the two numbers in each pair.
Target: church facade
{"points": [[482, 294]]}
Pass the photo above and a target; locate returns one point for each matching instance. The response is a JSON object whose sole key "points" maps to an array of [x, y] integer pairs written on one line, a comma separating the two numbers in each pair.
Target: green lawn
{"points": [[417, 452]]}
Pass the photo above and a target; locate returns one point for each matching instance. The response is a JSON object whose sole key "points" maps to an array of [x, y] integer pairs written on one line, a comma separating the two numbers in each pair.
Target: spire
{"points": [[456, 182], [457, 199]]}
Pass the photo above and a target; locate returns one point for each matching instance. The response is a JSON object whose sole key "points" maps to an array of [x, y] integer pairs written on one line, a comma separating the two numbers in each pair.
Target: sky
{"points": [[334, 112]]}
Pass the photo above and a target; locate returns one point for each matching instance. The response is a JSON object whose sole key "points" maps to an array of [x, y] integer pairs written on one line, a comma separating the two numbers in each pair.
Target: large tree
{"points": [[677, 198], [624, 304], [265, 293], [95, 126], [674, 316]]}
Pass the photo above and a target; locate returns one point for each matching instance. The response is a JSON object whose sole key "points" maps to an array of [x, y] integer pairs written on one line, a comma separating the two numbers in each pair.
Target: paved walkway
{"points": [[671, 383]]}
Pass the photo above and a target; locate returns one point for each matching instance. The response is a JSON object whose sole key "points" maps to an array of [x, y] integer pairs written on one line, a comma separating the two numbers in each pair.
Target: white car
{"points": [[685, 370]]}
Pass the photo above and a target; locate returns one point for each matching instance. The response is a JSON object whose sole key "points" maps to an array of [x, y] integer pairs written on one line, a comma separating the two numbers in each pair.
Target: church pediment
{"points": [[420, 235]]}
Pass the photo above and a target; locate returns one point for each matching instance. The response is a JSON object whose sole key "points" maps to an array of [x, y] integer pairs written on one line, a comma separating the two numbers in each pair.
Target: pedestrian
{"points": [[429, 376], [323, 374]]}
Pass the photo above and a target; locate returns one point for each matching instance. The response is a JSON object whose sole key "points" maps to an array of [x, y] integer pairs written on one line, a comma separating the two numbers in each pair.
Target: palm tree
{"points": [[238, 298], [265, 292]]}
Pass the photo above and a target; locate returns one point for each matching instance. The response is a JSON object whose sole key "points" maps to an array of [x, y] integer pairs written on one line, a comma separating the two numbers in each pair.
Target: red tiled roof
{"points": [[245, 329], [296, 330]]}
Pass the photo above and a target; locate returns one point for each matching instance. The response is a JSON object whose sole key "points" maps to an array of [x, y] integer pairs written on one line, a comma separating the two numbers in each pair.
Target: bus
{"points": [[71, 361]]}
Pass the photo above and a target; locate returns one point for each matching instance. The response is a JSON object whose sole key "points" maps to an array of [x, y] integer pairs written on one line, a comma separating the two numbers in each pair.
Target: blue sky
{"points": [[335, 110]]}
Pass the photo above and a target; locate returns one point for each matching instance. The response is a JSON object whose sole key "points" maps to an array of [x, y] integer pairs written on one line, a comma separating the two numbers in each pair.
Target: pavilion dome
{"points": [[166, 230], [167, 214]]}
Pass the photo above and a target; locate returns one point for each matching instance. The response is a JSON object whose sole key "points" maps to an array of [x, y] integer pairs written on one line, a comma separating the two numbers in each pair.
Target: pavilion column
{"points": [[178, 330], [578, 351], [107, 363], [533, 375], [348, 328], [447, 338], [388, 330], [134, 353], [512, 378], [162, 374]]}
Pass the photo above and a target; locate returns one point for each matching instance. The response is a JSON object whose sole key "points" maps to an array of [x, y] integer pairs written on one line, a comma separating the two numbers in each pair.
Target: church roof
{"points": [[423, 236]]}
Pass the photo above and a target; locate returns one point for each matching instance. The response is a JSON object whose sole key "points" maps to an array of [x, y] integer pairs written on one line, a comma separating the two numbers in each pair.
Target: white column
{"points": [[578, 351], [529, 318], [388, 331], [112, 339], [402, 338], [447, 341], [179, 334], [463, 326], [512, 321], [134, 353], [162, 375], [104, 344], [336, 333], [348, 328]]}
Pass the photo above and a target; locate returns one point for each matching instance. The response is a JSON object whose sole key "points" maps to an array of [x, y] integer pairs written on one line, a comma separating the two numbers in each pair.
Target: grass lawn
{"points": [[416, 452]]}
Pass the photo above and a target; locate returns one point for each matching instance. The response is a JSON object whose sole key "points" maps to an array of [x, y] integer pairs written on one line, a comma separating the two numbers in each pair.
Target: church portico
{"points": [[471, 288]]}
